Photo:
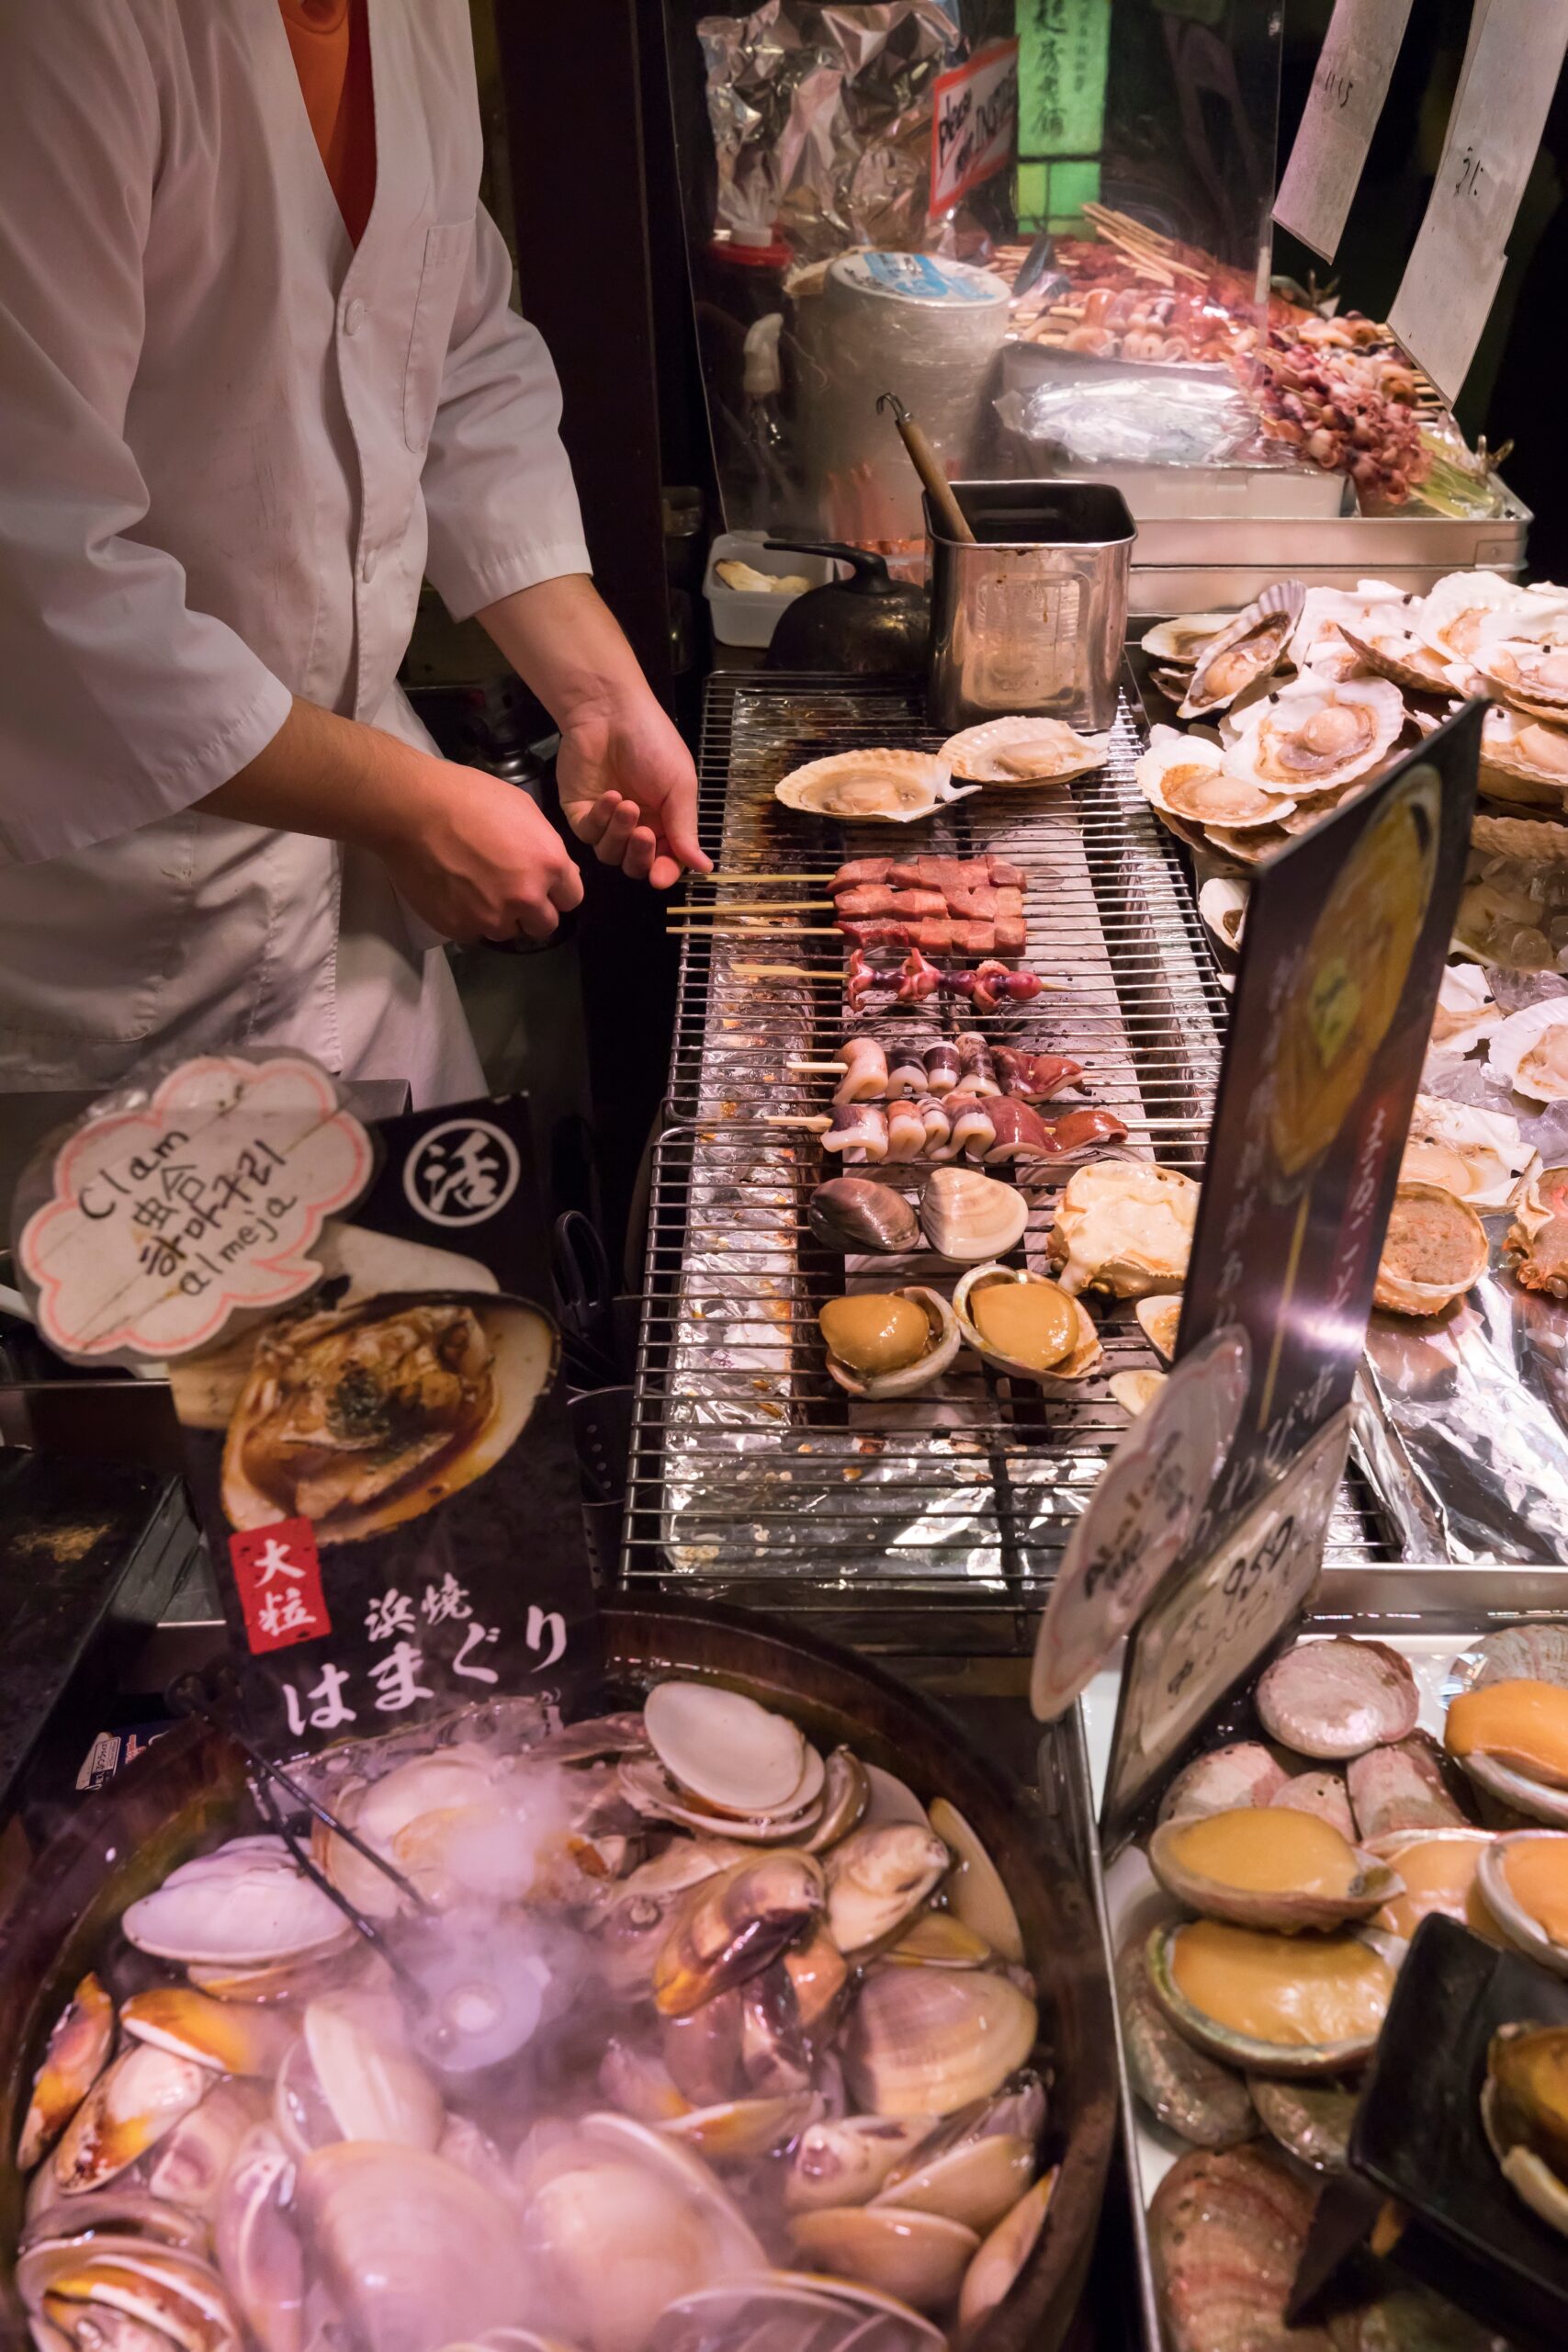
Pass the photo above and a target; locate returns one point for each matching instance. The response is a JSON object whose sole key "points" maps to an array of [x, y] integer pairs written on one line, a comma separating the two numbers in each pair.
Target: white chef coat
{"points": [[230, 445]]}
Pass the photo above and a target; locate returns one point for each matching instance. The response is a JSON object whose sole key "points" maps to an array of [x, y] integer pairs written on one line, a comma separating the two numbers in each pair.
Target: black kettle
{"points": [[870, 626]]}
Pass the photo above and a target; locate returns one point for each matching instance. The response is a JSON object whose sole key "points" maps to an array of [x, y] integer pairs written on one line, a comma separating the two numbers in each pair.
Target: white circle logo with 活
{"points": [[462, 1172]]}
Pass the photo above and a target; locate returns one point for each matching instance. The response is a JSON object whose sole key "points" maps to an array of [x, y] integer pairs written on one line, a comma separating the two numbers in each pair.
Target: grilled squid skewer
{"points": [[978, 1070], [860, 1129], [907, 1070], [974, 1128], [938, 1125], [905, 1130], [865, 1078]]}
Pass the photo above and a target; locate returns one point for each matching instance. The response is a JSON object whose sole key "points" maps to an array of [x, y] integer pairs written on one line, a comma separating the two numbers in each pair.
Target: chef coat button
{"points": [[354, 317]]}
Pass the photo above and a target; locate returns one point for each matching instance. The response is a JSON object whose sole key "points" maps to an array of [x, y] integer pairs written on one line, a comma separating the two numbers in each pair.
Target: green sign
{"points": [[1063, 51]]}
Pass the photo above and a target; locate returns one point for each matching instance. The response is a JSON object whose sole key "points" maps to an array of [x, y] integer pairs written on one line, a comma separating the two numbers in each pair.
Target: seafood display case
{"points": [[1234, 2136]]}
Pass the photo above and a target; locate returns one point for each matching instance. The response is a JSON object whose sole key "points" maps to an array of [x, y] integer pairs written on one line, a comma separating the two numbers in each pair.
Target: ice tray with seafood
{"points": [[670, 2030]]}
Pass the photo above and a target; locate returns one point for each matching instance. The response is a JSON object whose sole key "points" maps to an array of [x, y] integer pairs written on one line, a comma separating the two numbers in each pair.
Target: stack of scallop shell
{"points": [[1299, 701], [716, 2041], [1294, 1868]]}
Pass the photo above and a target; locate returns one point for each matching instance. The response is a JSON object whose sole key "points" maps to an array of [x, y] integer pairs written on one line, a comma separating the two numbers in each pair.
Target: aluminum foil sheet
{"points": [[746, 1460], [821, 121], [1462, 1419]]}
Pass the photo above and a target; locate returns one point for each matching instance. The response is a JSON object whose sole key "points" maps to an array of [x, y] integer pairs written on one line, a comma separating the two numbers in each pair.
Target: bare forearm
{"points": [[563, 641], [332, 778]]}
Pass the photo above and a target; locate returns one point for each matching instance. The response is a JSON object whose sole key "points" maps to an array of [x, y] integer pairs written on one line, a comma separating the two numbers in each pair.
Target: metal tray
{"points": [[1427, 1612]]}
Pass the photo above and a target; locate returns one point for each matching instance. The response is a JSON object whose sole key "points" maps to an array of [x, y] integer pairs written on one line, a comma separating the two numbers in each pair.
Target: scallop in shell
{"points": [[1184, 638], [1391, 649], [1319, 642], [1435, 1250], [1454, 613], [1530, 1050], [1022, 751], [1523, 758], [1479, 1155], [1222, 902], [1251, 647], [1311, 737], [887, 787], [1537, 1242], [1125, 1226], [1185, 775], [1533, 676], [1467, 1014]]}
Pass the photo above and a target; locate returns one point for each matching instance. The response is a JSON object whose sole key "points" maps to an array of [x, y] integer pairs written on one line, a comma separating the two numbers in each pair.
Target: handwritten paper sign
{"points": [[1348, 88], [1205, 1634], [163, 1222], [1453, 276], [1140, 1519], [974, 124]]}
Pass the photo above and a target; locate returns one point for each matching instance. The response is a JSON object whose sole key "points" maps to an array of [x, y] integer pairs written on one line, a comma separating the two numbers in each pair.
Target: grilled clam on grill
{"points": [[682, 2034]]}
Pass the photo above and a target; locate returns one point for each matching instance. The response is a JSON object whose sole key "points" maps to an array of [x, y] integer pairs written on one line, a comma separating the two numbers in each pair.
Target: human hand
{"points": [[475, 859], [628, 788]]}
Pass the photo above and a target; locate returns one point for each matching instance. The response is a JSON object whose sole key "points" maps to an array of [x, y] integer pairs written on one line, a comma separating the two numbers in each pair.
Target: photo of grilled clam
{"points": [[361, 1418], [674, 2030]]}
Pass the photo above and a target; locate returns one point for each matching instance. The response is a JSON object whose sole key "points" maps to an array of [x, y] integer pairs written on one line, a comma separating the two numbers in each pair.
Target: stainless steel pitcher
{"points": [[1031, 617]]}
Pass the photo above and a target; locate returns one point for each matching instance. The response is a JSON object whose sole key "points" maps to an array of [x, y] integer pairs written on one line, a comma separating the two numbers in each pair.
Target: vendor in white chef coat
{"points": [[258, 375]]}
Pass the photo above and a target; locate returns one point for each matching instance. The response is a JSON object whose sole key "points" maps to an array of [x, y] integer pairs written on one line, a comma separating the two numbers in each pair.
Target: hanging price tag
{"points": [[1341, 113], [1493, 132]]}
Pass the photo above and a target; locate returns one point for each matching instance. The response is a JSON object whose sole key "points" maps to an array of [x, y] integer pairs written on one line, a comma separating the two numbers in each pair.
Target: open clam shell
{"points": [[1312, 737], [1540, 1929], [1438, 1867], [1435, 1250], [908, 1379], [1257, 1871], [247, 1903], [1511, 1738], [1184, 638], [1186, 776], [1250, 647], [1392, 650], [78, 2050], [1526, 753], [1478, 1156], [1060, 1323], [724, 1748], [1159, 1320], [877, 1880], [893, 788], [1319, 642], [1293, 1981], [1530, 1050], [443, 1384], [1222, 902], [1455, 612], [1023, 752], [976, 1892]]}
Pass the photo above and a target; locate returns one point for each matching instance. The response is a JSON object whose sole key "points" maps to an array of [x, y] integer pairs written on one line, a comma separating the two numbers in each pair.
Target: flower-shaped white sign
{"points": [[166, 1220]]}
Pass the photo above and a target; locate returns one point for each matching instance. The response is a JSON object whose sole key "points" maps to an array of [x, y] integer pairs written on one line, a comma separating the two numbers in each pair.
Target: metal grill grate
{"points": [[749, 1467]]}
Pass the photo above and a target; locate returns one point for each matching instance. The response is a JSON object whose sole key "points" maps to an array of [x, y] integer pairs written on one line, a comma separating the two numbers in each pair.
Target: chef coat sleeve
{"points": [[498, 489], [118, 704]]}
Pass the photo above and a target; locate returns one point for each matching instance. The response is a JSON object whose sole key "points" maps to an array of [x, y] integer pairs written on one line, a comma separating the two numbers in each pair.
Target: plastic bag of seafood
{"points": [[725, 2015]]}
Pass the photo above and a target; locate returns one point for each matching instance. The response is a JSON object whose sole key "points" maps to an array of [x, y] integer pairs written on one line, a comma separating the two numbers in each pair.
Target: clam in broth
{"points": [[764, 2027]]}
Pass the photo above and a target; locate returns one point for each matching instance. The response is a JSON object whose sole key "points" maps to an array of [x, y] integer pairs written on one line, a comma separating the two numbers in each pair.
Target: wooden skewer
{"points": [[784, 972], [818, 1126], [725, 880], [750, 906], [824, 1070], [763, 929]]}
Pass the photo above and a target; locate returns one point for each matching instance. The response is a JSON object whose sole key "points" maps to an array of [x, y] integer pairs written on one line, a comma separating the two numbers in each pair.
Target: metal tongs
{"points": [[217, 1697]]}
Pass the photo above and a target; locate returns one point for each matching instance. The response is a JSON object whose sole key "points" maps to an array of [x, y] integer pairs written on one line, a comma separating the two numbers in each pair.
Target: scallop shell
{"points": [[1516, 749], [1160, 1321], [1452, 617], [1317, 643], [1251, 647], [1023, 752], [1311, 739], [1467, 1014], [1222, 902], [1532, 676], [1185, 637], [1082, 1357], [1479, 1155], [858, 787], [1418, 1211], [945, 1341], [1530, 1050], [1185, 777], [1248, 848], [1397, 653]]}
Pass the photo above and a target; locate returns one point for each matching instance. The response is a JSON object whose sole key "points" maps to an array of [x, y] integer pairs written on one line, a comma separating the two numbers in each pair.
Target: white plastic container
{"points": [[749, 615]]}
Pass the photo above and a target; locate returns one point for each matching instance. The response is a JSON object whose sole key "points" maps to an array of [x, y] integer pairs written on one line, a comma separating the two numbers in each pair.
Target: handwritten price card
{"points": [[164, 1221], [974, 123], [1336, 126], [1493, 132], [1204, 1637]]}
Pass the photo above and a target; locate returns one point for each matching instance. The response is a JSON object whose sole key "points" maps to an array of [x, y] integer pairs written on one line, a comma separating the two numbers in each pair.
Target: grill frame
{"points": [[711, 1504]]}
